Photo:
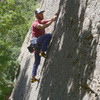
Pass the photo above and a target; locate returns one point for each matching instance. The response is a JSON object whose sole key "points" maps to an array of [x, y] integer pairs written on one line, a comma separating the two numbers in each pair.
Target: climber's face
{"points": [[40, 16]]}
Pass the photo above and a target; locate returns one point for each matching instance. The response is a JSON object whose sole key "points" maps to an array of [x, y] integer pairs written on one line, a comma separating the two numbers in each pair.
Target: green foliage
{"points": [[15, 20]]}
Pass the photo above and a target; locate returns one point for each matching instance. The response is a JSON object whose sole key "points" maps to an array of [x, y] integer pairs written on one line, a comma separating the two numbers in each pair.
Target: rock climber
{"points": [[38, 31]]}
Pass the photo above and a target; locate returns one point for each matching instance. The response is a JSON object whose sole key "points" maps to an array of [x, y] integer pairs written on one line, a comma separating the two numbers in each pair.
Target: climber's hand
{"points": [[54, 18], [56, 14]]}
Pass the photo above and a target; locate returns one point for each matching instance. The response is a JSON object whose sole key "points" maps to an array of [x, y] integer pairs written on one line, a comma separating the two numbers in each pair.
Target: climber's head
{"points": [[39, 14]]}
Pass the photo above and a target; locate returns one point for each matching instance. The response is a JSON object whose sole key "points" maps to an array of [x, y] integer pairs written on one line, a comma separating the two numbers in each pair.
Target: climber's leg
{"points": [[35, 65], [44, 41]]}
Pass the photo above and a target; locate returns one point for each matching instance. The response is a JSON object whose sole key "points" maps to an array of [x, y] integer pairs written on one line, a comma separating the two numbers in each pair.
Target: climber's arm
{"points": [[41, 26]]}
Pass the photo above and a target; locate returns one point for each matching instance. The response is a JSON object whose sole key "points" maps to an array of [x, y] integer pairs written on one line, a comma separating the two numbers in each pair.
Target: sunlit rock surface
{"points": [[72, 69]]}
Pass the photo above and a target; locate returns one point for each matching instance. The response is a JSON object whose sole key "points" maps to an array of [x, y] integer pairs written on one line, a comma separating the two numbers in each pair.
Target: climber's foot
{"points": [[42, 54], [34, 80]]}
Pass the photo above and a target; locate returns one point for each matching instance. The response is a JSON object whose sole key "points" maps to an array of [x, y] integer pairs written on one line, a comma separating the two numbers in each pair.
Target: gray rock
{"points": [[72, 69]]}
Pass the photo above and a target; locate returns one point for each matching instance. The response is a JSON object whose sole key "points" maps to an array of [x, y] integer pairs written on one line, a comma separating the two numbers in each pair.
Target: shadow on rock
{"points": [[21, 83], [72, 56]]}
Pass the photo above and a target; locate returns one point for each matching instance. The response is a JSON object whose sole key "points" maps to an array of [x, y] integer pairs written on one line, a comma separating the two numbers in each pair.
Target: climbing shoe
{"points": [[32, 81], [43, 54]]}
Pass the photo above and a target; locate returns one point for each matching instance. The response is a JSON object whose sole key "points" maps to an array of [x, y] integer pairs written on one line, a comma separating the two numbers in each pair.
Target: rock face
{"points": [[72, 69]]}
